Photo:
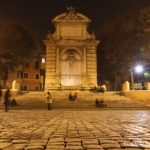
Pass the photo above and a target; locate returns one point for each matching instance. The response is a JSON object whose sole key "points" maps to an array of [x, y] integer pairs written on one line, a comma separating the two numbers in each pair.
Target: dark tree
{"points": [[144, 18], [17, 45], [123, 44]]}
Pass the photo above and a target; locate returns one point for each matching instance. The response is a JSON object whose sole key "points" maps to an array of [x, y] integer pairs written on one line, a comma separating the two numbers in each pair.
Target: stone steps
{"points": [[81, 95], [90, 104], [85, 100]]}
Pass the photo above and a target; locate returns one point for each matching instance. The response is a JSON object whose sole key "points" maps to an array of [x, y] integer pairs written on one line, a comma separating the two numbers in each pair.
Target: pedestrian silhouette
{"points": [[7, 99], [49, 101]]}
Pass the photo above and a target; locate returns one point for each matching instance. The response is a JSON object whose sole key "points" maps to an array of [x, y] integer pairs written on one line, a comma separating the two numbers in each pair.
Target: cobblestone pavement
{"points": [[74, 130]]}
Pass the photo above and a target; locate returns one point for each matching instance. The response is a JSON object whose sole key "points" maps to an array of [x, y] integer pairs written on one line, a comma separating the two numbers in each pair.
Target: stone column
{"points": [[58, 67], [148, 86], [91, 66], [57, 61], [50, 67], [84, 61], [84, 68]]}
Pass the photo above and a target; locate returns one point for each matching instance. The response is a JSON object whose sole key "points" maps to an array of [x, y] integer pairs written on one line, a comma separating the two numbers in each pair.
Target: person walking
{"points": [[7, 99], [49, 101]]}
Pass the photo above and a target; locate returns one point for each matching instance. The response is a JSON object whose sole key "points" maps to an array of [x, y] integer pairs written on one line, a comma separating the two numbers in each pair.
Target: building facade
{"points": [[28, 77], [71, 53]]}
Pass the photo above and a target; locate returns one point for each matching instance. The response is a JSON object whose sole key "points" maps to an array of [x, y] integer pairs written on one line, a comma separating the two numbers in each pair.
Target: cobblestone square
{"points": [[75, 130]]}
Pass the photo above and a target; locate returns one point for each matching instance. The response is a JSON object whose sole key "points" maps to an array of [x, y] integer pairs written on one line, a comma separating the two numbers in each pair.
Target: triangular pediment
{"points": [[71, 16]]}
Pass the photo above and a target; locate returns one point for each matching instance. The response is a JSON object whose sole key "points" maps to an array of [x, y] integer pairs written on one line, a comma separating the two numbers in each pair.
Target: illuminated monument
{"points": [[71, 59]]}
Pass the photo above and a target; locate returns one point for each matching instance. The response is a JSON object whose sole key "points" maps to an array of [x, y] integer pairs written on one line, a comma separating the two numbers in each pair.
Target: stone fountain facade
{"points": [[71, 53]]}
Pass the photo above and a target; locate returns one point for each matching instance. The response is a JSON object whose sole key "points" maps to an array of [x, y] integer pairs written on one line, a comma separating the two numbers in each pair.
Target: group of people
{"points": [[49, 99], [8, 100], [100, 103], [100, 89], [73, 97]]}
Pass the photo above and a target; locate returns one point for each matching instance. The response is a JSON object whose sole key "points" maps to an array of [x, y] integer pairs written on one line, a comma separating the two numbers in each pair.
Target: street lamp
{"points": [[137, 69], [132, 79]]}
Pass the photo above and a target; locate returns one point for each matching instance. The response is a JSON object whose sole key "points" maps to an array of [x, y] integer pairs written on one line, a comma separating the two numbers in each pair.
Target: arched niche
{"points": [[71, 68]]}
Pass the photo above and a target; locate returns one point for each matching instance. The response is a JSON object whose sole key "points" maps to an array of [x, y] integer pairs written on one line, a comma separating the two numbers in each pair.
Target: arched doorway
{"points": [[71, 68]]}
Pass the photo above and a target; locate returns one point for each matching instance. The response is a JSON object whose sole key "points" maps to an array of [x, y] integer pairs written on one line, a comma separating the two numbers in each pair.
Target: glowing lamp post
{"points": [[137, 69]]}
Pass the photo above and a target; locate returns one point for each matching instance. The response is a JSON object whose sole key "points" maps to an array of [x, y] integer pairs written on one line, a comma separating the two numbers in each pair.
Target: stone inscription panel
{"points": [[74, 30]]}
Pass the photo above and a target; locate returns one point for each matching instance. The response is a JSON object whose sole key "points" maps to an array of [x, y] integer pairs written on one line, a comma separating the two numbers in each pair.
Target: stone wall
{"points": [[141, 95]]}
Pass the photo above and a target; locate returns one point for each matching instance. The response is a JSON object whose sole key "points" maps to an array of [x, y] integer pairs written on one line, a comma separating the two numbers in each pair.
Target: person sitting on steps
{"points": [[75, 96], [100, 103], [103, 88], [97, 102], [71, 97]]}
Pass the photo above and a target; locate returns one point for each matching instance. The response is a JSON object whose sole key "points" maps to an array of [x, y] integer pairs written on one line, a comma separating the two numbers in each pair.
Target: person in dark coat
{"points": [[71, 97], [7, 99], [97, 102]]}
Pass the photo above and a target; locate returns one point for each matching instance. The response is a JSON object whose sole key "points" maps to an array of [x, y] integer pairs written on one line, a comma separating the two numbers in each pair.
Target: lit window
{"points": [[43, 60]]}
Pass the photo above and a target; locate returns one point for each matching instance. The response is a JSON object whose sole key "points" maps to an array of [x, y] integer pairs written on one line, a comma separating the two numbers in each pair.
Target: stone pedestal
{"points": [[126, 86], [148, 86]]}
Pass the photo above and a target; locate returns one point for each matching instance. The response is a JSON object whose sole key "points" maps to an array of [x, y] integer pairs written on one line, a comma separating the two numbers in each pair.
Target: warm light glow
{"points": [[43, 60], [139, 69], [70, 80]]}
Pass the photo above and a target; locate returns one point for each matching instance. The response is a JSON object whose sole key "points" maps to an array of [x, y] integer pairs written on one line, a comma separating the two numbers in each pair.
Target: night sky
{"points": [[37, 14]]}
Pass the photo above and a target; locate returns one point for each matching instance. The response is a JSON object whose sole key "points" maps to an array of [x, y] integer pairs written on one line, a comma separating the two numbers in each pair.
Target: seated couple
{"points": [[72, 97]]}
